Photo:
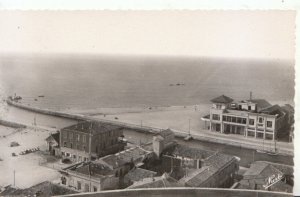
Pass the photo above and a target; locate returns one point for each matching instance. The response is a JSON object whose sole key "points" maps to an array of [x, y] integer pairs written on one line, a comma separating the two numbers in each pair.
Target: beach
{"points": [[27, 168]]}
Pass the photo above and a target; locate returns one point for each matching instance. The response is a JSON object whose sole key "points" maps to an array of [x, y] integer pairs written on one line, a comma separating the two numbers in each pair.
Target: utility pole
{"points": [[189, 126], [14, 178]]}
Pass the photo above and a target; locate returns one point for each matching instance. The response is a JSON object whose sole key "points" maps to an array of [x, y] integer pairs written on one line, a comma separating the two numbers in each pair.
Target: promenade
{"points": [[283, 148]]}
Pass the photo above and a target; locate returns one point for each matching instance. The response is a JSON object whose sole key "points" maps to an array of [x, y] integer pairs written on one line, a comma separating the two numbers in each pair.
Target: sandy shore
{"points": [[28, 172], [176, 117]]}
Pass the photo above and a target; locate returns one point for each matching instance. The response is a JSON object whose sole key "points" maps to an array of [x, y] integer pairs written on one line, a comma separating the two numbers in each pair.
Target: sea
{"points": [[61, 82]]}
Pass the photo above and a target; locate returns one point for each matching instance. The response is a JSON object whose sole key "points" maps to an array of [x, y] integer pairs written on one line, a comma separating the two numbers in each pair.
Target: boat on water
{"points": [[41, 96]]}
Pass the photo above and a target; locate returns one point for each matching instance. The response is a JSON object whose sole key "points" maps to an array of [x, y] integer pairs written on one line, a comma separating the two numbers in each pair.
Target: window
{"points": [[95, 189], [269, 124], [71, 145], [244, 120], [70, 135], [216, 117], [78, 137], [84, 148], [249, 108], [78, 185], [260, 119], [74, 156], [83, 138], [239, 120], [65, 144], [224, 118], [251, 121], [233, 119], [65, 134]]}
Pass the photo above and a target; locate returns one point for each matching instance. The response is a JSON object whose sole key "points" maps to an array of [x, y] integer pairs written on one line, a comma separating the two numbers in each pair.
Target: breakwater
{"points": [[146, 129], [11, 124]]}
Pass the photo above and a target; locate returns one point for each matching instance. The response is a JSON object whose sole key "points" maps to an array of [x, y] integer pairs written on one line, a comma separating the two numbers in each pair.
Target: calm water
{"points": [[90, 82]]}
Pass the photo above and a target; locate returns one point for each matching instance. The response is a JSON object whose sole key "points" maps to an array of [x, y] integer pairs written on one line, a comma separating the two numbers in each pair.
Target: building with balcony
{"points": [[255, 118], [90, 140]]}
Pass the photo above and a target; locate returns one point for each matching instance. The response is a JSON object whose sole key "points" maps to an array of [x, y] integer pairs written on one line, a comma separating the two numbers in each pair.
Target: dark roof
{"points": [[138, 174], [222, 99], [42, 189], [260, 103], [260, 171], [185, 151], [93, 127], [290, 109], [273, 110], [54, 136], [285, 169], [91, 168], [156, 182], [211, 165]]}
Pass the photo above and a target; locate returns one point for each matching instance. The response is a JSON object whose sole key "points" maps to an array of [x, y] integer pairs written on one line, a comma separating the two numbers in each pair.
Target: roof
{"points": [[260, 103], [42, 189], [54, 136], [91, 169], [222, 99], [188, 152], [135, 154], [260, 171], [156, 182], [273, 110], [211, 165], [165, 133], [290, 109], [93, 127], [138, 174]]}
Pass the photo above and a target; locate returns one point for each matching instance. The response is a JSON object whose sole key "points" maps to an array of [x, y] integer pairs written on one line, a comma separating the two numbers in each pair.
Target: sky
{"points": [[232, 34]]}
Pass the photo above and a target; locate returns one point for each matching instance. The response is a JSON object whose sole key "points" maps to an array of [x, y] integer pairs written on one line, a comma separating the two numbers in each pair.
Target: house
{"points": [[89, 140], [104, 173], [218, 170], [89, 177], [268, 176], [255, 118], [121, 163], [162, 140], [200, 168], [163, 181], [53, 144]]}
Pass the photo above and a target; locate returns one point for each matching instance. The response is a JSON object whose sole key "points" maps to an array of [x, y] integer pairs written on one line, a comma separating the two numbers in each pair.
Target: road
{"points": [[247, 155]]}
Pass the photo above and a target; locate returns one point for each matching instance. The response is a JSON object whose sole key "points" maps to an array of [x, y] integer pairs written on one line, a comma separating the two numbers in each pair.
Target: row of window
{"points": [[77, 136], [260, 121], [235, 119], [241, 120], [78, 147]]}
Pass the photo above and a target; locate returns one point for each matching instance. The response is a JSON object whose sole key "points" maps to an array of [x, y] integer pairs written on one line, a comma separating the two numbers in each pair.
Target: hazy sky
{"points": [[258, 34]]}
